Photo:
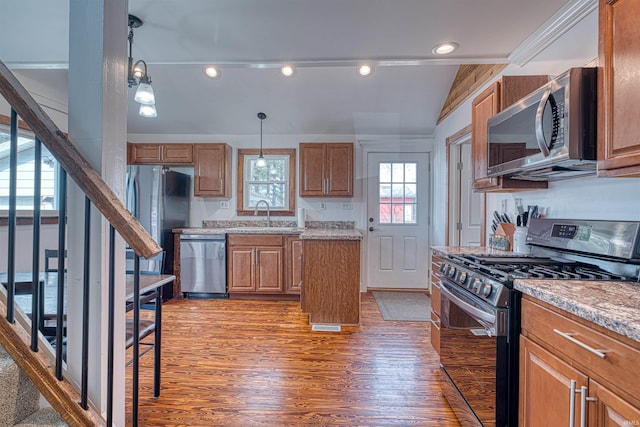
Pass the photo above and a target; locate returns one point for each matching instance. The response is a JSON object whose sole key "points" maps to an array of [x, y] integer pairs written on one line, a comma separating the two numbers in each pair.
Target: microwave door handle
{"points": [[542, 144]]}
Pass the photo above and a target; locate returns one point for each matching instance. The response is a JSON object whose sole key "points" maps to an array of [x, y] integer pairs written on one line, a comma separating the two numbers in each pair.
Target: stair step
{"points": [[46, 417], [19, 398]]}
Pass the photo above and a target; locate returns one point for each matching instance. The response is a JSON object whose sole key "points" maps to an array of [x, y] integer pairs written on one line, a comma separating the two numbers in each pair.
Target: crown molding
{"points": [[561, 22]]}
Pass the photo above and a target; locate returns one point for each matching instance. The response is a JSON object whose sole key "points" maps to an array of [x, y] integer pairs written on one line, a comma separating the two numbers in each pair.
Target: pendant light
{"points": [[261, 162], [139, 76]]}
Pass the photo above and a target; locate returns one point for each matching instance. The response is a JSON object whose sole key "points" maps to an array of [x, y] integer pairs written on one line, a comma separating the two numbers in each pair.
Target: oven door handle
{"points": [[470, 309]]}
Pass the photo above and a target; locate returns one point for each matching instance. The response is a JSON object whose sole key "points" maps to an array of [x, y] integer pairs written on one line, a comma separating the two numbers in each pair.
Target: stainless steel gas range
{"points": [[480, 315]]}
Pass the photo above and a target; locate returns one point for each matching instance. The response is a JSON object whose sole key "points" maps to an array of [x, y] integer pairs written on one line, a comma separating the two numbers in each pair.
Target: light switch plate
{"points": [[323, 205], [224, 204]]}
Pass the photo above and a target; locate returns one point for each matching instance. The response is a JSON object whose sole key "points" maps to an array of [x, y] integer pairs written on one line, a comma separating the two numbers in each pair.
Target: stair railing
{"points": [[98, 194]]}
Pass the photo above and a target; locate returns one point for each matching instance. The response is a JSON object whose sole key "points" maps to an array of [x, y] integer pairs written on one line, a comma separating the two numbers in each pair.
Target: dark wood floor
{"points": [[241, 363]]}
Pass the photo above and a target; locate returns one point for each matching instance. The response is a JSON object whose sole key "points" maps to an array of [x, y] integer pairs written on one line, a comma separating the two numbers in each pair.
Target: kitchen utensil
{"points": [[496, 215]]}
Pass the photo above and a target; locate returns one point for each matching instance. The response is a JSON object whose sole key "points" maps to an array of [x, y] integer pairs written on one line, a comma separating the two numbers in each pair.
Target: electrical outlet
{"points": [[347, 205], [504, 205], [224, 204], [323, 205]]}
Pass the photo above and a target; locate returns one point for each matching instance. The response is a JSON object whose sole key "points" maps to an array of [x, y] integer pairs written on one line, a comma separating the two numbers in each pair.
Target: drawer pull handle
{"points": [[600, 353]]}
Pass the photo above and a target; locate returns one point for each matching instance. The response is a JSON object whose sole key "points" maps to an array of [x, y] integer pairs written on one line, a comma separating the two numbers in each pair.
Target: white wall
{"points": [[580, 198], [209, 208]]}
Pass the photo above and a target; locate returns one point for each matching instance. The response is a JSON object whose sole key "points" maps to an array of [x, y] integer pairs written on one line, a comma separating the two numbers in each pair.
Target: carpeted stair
{"points": [[20, 400]]}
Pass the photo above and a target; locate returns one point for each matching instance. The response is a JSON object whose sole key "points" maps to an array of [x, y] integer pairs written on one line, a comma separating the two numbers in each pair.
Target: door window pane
{"points": [[398, 193]]}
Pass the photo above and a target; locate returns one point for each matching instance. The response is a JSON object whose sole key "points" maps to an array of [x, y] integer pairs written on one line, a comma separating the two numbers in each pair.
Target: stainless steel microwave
{"points": [[550, 134]]}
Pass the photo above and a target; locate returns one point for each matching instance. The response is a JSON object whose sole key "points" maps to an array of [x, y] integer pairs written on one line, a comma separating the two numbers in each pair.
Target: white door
{"points": [[398, 220], [470, 202]]}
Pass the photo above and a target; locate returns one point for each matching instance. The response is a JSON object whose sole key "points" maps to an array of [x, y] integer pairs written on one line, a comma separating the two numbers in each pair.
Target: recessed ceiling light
{"points": [[212, 72], [365, 70], [444, 48], [287, 70]]}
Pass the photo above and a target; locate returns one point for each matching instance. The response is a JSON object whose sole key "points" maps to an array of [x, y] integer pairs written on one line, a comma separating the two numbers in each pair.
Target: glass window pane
{"points": [[410, 214], [385, 213], [385, 193], [410, 193], [398, 193], [397, 214], [274, 194], [385, 172], [398, 172], [274, 171], [410, 172]]}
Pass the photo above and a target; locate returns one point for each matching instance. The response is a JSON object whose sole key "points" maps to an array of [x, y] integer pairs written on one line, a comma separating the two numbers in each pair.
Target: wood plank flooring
{"points": [[244, 363]]}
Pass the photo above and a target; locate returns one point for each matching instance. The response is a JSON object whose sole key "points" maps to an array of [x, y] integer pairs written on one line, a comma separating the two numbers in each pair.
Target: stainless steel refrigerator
{"points": [[160, 199]]}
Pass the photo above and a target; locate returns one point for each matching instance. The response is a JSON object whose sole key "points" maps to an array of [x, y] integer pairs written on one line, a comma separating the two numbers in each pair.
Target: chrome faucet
{"points": [[255, 211]]}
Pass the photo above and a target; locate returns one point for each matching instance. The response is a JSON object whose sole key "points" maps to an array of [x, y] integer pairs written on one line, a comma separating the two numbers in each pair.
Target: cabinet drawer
{"points": [[256, 239], [435, 332], [435, 298], [546, 326]]}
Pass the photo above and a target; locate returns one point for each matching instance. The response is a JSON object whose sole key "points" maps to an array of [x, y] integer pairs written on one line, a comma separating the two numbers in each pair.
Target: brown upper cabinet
{"points": [[618, 88], [160, 154], [326, 169], [212, 170], [501, 94]]}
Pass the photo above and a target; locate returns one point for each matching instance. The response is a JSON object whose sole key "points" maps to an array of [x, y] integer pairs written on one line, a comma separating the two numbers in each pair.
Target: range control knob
{"points": [[443, 267], [486, 290], [451, 272], [462, 277], [475, 284]]}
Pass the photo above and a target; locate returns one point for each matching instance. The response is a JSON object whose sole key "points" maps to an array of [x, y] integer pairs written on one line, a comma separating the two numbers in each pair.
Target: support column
{"points": [[97, 127]]}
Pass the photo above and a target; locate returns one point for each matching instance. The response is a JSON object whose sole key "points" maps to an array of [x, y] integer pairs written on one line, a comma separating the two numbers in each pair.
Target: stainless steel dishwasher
{"points": [[203, 266]]}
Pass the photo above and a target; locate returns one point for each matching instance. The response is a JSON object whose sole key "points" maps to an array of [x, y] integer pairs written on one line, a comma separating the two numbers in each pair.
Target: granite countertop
{"points": [[469, 250], [612, 305], [305, 234]]}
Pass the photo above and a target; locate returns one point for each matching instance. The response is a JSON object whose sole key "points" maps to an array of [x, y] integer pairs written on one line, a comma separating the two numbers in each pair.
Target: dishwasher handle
{"points": [[204, 237]]}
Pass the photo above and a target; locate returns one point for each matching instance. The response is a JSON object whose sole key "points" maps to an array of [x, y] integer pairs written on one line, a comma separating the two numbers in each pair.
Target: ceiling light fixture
{"points": [[365, 69], [287, 70], [261, 162], [138, 76], [444, 48], [212, 72]]}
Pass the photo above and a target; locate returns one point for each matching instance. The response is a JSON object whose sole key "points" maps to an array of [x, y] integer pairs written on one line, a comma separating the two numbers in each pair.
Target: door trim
{"points": [[459, 137]]}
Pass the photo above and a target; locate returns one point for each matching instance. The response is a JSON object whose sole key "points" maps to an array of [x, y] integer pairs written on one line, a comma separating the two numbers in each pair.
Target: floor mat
{"points": [[404, 306]]}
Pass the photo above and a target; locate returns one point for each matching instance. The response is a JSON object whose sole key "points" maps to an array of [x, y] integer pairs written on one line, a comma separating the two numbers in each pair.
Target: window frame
{"points": [[25, 216], [240, 210]]}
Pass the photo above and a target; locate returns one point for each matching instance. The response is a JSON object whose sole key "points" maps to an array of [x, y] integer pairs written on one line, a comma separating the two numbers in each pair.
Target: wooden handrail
{"points": [[84, 175]]}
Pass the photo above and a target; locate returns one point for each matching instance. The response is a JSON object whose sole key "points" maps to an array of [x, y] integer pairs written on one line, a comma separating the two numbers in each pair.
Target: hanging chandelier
{"points": [[139, 76]]}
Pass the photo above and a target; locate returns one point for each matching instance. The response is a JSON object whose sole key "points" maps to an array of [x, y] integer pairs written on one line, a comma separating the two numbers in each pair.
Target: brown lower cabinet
{"points": [[436, 261], [256, 264], [551, 361]]}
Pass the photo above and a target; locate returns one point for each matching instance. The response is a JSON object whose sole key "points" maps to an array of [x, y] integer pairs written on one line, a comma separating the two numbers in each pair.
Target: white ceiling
{"points": [[180, 37]]}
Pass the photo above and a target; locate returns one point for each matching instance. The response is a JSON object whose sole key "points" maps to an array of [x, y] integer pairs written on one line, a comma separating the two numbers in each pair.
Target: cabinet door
{"points": [[483, 107], [608, 409], [618, 125], [141, 154], [211, 170], [177, 154], [545, 383], [339, 170], [241, 269], [312, 163], [294, 265], [269, 269]]}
